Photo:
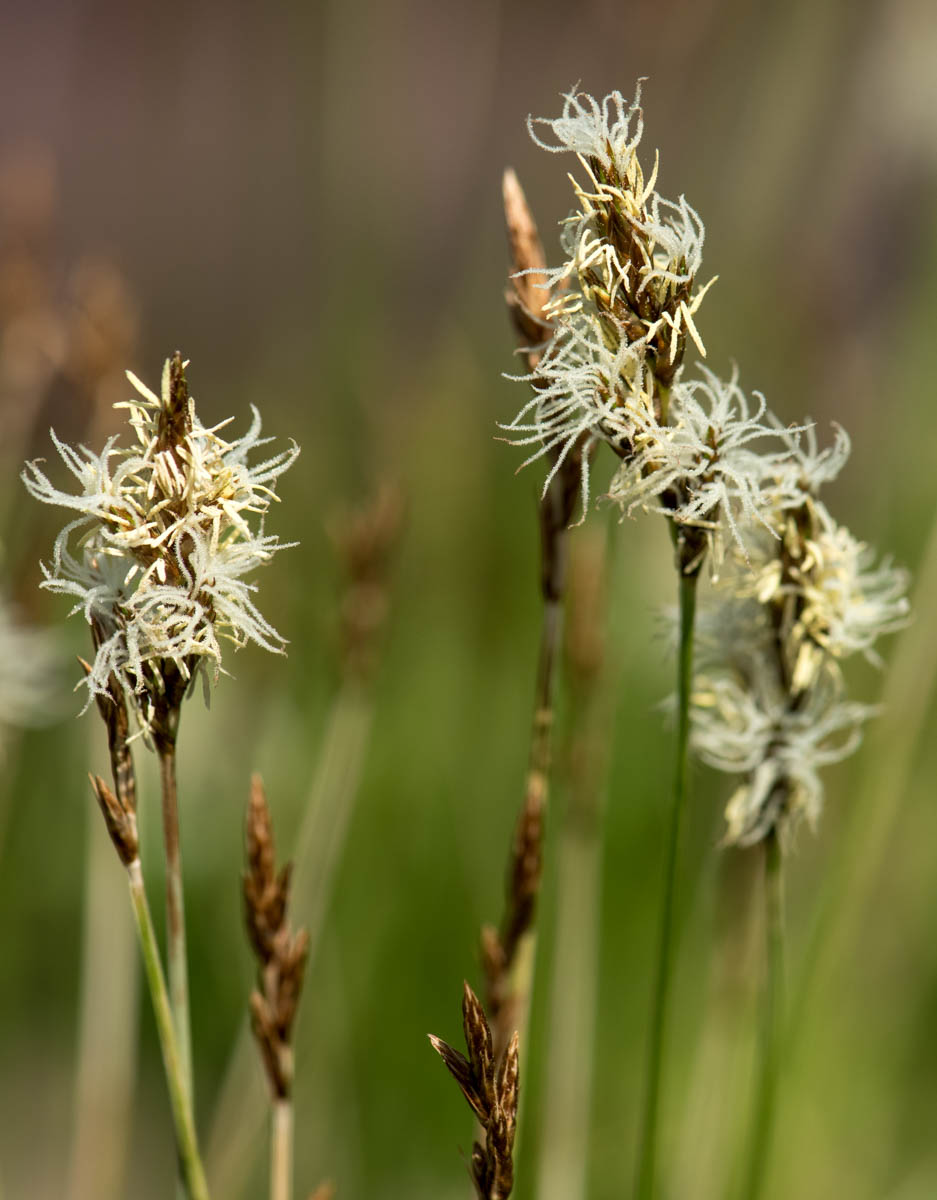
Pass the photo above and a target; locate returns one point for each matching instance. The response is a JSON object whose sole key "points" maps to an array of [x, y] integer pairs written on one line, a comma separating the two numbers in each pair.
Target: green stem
{"points": [[175, 910], [186, 1144], [647, 1162], [772, 1017]]}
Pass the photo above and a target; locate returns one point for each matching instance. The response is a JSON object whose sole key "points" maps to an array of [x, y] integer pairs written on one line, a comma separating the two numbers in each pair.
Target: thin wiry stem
{"points": [[107, 1040], [514, 1009], [281, 1150], [190, 1164], [239, 1111], [647, 1162], [175, 909], [771, 1022], [510, 954]]}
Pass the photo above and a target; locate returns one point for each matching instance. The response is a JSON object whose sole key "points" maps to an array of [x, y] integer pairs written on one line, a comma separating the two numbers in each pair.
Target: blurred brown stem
{"points": [[509, 956]]}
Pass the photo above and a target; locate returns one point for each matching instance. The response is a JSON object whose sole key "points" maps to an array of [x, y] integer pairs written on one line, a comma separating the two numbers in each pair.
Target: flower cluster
{"points": [[794, 592], [623, 308], [166, 532], [770, 700]]}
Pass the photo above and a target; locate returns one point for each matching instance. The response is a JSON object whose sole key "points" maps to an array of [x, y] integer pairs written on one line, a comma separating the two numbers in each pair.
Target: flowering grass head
{"points": [[623, 302], [770, 699], [166, 532], [713, 466]]}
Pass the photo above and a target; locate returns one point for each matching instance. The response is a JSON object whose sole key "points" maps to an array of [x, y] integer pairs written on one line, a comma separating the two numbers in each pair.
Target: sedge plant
{"points": [[157, 555], [793, 593]]}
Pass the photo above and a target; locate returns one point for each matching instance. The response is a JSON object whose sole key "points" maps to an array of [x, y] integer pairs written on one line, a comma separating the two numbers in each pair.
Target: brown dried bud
{"points": [[113, 710], [491, 1090], [526, 865], [526, 296], [460, 1069], [121, 822], [281, 953], [508, 1086], [478, 1043]]}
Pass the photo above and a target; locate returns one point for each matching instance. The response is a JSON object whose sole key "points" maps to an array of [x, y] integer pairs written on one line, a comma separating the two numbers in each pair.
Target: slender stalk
{"points": [[238, 1117], [520, 929], [281, 1149], [175, 908], [772, 1017], [509, 955], [107, 1038], [647, 1162], [190, 1164]]}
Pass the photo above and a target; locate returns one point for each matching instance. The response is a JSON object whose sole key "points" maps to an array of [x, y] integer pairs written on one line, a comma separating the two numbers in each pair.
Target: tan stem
{"points": [[281, 1149]]}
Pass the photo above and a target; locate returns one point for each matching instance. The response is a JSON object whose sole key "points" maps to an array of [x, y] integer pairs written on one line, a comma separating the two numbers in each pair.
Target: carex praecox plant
{"points": [[792, 591], [166, 532]]}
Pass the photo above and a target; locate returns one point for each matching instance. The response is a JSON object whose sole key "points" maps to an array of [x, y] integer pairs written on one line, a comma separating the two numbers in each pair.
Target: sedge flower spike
{"points": [[624, 300], [622, 312], [708, 467], [165, 535], [770, 700]]}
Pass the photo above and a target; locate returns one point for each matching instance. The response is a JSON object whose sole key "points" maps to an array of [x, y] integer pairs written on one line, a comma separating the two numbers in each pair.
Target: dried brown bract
{"points": [[490, 1086], [121, 822], [527, 293], [281, 953], [120, 809]]}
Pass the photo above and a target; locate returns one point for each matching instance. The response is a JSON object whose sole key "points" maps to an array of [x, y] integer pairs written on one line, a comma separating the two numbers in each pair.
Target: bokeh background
{"points": [[305, 198]]}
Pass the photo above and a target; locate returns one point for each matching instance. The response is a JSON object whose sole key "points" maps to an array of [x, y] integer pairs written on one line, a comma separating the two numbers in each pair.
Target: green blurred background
{"points": [[305, 198]]}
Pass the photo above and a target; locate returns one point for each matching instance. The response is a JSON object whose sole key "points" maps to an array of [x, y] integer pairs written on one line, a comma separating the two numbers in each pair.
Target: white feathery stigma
{"points": [[166, 534], [623, 302]]}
